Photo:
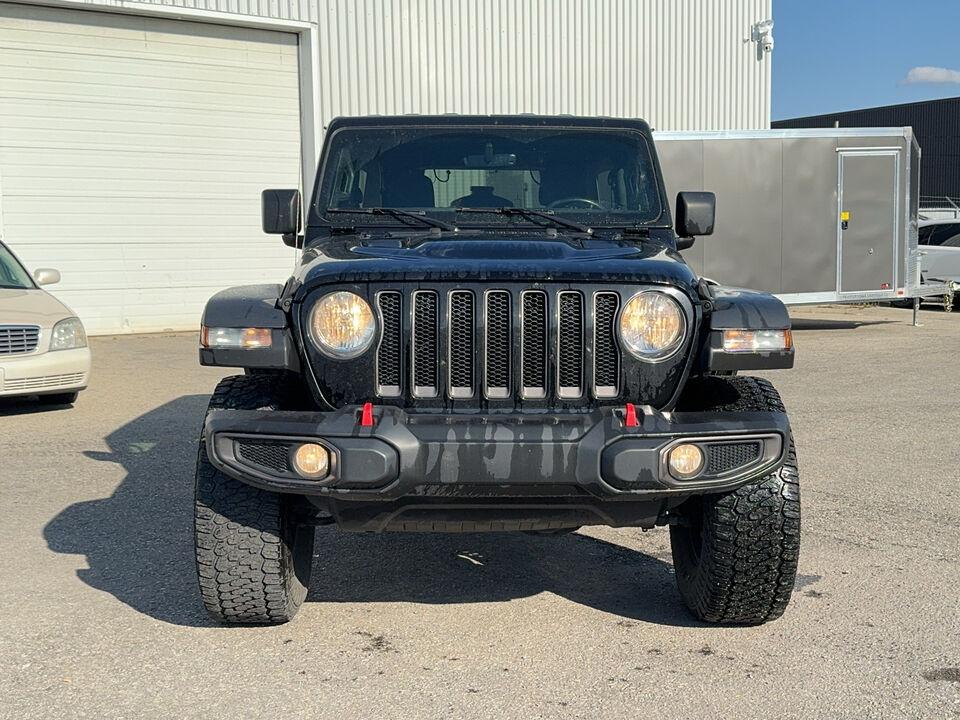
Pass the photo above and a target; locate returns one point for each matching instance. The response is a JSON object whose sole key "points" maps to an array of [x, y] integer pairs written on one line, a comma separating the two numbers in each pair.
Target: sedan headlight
{"points": [[652, 325], [68, 334], [342, 325]]}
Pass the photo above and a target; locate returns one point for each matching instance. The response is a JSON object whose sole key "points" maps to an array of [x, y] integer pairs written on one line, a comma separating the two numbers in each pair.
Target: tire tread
{"points": [[243, 549], [750, 536]]}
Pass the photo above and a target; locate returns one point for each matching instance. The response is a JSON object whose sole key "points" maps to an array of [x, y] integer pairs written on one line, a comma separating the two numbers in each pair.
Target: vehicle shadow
{"points": [[138, 545], [817, 324], [28, 406]]}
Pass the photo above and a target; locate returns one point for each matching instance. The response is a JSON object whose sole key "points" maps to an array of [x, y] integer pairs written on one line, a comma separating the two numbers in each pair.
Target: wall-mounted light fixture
{"points": [[762, 34]]}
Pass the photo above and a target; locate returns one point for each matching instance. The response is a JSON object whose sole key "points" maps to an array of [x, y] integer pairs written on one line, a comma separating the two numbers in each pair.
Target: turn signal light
{"points": [[757, 340], [236, 337], [311, 460]]}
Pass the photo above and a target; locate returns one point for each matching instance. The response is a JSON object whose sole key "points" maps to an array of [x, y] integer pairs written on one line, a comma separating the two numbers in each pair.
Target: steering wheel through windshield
{"points": [[575, 202]]}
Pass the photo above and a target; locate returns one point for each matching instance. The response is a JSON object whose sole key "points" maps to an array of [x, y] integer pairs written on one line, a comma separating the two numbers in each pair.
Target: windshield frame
{"points": [[318, 219], [6, 252]]}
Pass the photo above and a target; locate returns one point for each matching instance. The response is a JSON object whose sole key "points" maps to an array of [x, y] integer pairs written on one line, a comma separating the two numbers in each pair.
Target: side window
{"points": [[944, 234], [924, 233], [951, 238]]}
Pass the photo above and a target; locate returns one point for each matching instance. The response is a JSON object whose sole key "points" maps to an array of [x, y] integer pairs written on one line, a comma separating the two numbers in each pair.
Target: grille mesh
{"points": [[461, 342], [425, 344], [535, 343], [273, 456], [388, 355], [498, 343], [606, 356], [18, 339], [723, 457], [570, 345]]}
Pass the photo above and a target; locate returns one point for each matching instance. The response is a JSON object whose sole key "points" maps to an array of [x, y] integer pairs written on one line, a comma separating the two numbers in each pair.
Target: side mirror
{"points": [[280, 213], [46, 276], [696, 212]]}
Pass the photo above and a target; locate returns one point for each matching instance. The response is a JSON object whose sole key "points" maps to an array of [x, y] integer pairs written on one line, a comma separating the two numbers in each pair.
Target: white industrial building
{"points": [[135, 137]]}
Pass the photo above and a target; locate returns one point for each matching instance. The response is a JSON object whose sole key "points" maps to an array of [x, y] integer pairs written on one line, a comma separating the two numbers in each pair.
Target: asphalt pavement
{"points": [[100, 616]]}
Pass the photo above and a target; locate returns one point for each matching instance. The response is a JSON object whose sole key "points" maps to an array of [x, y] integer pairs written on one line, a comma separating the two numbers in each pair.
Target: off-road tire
{"points": [[254, 548], [735, 554]]}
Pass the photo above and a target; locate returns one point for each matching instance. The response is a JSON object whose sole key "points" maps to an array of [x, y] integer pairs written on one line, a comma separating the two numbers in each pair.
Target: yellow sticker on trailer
{"points": [[844, 216]]}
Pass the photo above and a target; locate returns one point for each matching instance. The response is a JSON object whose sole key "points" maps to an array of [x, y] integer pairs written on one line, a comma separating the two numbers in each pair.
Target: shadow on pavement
{"points": [[27, 405], [138, 544], [815, 324]]}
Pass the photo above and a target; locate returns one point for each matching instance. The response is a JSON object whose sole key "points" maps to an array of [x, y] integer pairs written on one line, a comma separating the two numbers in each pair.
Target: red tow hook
{"points": [[366, 417], [630, 416]]}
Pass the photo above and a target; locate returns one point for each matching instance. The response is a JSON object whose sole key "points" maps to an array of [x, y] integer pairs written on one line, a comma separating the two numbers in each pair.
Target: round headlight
{"points": [[652, 325], [342, 325]]}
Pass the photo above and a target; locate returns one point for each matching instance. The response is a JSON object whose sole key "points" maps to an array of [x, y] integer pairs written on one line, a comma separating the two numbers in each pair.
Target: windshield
{"points": [[12, 274], [594, 177]]}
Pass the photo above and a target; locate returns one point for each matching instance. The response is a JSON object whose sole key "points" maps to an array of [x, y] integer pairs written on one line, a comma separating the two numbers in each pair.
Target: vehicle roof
{"points": [[489, 120]]}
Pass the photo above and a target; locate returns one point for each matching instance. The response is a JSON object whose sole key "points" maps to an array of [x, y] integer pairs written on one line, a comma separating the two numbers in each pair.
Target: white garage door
{"points": [[132, 154]]}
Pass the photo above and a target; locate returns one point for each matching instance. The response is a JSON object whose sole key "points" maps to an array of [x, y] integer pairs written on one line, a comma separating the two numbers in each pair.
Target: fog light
{"points": [[685, 461], [311, 460]]}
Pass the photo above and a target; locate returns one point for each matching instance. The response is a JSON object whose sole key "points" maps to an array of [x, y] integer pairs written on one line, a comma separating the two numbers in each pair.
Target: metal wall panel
{"points": [[809, 234], [299, 10], [778, 214], [679, 64], [682, 164], [746, 250], [132, 155], [936, 125], [869, 194]]}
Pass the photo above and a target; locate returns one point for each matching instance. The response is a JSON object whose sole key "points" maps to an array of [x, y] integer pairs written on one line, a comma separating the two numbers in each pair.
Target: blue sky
{"points": [[850, 54]]}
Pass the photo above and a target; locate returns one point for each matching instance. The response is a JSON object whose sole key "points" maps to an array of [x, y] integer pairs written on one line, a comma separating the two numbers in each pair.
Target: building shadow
{"points": [[138, 544]]}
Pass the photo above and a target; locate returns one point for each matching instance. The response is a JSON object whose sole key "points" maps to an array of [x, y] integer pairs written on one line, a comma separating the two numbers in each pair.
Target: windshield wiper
{"points": [[394, 212], [528, 213]]}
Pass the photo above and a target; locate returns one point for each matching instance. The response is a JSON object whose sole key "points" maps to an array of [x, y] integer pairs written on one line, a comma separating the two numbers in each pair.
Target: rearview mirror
{"points": [[280, 213], [46, 276], [696, 212]]}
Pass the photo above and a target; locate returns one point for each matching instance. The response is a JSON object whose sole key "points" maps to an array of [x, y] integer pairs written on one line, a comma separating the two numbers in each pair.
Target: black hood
{"points": [[479, 257]]}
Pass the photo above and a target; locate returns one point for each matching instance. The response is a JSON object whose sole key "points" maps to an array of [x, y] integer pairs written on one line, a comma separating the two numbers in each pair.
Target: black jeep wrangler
{"points": [[490, 328]]}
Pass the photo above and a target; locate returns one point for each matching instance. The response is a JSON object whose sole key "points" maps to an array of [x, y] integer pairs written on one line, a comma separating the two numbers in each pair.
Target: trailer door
{"points": [[867, 223]]}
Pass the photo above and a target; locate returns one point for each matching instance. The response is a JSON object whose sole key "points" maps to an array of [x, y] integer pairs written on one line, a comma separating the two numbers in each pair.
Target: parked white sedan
{"points": [[43, 346], [940, 250]]}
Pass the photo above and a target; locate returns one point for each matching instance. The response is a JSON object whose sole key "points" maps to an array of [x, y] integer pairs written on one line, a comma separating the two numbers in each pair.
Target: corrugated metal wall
{"points": [[936, 125], [303, 10], [680, 64]]}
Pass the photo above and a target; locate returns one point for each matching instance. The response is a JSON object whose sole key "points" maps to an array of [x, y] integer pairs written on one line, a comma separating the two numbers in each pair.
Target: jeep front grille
{"points": [[18, 339], [502, 344]]}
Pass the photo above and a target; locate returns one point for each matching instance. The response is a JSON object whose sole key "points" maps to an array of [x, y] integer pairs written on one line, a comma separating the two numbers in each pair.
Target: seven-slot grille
{"points": [[529, 344], [18, 339]]}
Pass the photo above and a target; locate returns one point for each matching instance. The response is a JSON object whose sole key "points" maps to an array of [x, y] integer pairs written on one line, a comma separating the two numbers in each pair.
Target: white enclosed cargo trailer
{"points": [[811, 216]]}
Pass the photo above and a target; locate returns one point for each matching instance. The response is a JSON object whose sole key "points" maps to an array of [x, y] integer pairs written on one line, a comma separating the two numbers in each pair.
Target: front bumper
{"points": [[458, 456], [60, 371]]}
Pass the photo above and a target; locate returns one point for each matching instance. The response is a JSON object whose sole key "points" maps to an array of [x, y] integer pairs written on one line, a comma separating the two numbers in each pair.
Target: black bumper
{"points": [[468, 455]]}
